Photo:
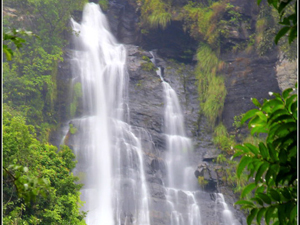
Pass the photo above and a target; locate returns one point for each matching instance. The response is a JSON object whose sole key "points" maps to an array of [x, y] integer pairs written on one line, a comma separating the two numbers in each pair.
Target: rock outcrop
{"points": [[286, 73]]}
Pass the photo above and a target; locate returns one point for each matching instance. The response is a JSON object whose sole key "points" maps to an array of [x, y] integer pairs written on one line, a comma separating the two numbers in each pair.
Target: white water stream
{"points": [[107, 150], [185, 210]]}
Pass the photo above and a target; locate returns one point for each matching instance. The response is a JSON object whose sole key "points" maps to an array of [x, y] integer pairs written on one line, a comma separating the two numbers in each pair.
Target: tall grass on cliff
{"points": [[211, 87], [155, 13]]}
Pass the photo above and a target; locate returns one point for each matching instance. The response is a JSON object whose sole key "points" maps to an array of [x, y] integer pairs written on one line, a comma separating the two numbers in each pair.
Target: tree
{"points": [[272, 163], [38, 186]]}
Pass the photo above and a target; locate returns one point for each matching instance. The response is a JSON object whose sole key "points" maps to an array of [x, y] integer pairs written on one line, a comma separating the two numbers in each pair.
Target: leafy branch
{"points": [[273, 163], [288, 20], [14, 36]]}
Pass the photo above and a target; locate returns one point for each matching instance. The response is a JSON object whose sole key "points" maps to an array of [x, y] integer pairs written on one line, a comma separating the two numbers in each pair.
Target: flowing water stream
{"points": [[185, 210], [108, 152]]}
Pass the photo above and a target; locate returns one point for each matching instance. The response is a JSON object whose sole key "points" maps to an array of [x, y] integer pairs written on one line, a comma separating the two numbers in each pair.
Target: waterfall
{"points": [[227, 215], [185, 210], [108, 152], [180, 194]]}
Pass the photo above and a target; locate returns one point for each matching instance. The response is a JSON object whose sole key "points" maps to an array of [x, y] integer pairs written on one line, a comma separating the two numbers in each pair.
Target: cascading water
{"points": [[185, 210], [108, 152], [180, 194], [227, 216]]}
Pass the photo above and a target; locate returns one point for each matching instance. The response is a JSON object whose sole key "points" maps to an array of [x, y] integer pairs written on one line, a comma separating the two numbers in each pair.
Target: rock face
{"points": [[286, 73], [247, 76]]}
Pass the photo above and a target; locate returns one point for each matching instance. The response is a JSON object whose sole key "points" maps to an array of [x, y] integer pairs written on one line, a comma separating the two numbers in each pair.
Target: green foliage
{"points": [[103, 4], [272, 163], [211, 88], [223, 140], [29, 80], [72, 129], [146, 58], [206, 22], [144, 31], [287, 18], [266, 27], [214, 103], [139, 84], [155, 13], [202, 182], [227, 173], [235, 17], [148, 66], [29, 86], [77, 94], [31, 169], [14, 36], [237, 121]]}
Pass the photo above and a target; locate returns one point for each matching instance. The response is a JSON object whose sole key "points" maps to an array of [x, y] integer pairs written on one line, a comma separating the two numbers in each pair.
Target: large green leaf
{"points": [[257, 200], [243, 148], [249, 115], [244, 203], [282, 32], [282, 156], [259, 130], [274, 104], [269, 213], [293, 214], [255, 121], [248, 189], [278, 113], [282, 129], [265, 198], [260, 214], [252, 148], [275, 195], [294, 107], [290, 100], [282, 175], [272, 171], [282, 5], [263, 150], [256, 102], [243, 163], [261, 170], [262, 115], [251, 216], [281, 214], [293, 34], [286, 92], [272, 152], [255, 165]]}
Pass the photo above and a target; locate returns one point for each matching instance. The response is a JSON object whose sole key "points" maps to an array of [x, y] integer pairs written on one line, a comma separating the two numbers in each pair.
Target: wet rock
{"points": [[156, 190], [211, 155], [123, 21], [247, 76], [286, 73]]}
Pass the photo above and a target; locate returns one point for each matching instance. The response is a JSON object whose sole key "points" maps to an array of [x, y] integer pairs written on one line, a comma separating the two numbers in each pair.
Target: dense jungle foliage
{"points": [[38, 186]]}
